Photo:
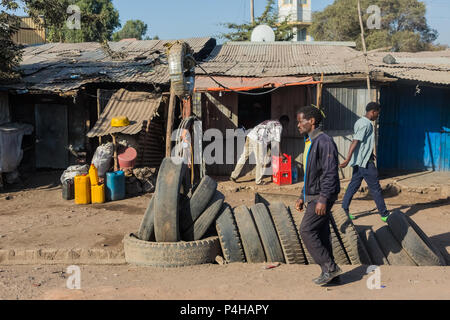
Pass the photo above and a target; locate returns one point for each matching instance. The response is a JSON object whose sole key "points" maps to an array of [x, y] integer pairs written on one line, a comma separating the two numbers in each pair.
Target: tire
{"points": [[414, 241], [191, 209], [297, 221], [339, 253], [287, 233], [198, 229], [147, 229], [347, 234], [376, 254], [229, 238], [170, 254], [251, 242], [168, 184], [392, 249], [267, 233]]}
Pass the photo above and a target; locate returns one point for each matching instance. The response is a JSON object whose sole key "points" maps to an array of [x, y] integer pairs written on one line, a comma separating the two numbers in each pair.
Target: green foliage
{"points": [[132, 29], [243, 32], [10, 53], [99, 18], [403, 25]]}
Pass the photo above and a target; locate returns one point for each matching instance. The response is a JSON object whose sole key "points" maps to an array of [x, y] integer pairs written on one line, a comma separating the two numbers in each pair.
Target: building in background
{"points": [[298, 13], [30, 32]]}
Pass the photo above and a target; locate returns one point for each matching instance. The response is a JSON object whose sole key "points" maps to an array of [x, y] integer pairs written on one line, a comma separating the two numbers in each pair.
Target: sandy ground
{"points": [[38, 217]]}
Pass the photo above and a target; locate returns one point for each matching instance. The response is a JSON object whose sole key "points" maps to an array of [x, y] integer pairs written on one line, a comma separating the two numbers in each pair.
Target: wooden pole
{"points": [[98, 113], [252, 11], [170, 116], [116, 162], [364, 49]]}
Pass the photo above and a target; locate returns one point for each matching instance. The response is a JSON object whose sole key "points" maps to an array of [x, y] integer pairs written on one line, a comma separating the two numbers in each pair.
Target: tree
{"points": [[243, 32], [10, 53], [99, 18], [132, 29], [403, 25]]}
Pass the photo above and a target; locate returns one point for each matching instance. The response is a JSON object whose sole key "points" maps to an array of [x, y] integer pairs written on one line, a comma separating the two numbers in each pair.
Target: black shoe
{"points": [[327, 277]]}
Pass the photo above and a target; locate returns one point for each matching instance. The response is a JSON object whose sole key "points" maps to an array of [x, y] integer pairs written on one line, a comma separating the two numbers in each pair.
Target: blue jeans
{"points": [[370, 175]]}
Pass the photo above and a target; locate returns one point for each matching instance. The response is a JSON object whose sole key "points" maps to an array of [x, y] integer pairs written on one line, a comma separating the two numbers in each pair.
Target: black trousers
{"points": [[316, 235]]}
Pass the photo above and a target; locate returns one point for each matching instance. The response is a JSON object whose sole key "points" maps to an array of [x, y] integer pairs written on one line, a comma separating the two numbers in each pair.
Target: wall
{"points": [[414, 129]]}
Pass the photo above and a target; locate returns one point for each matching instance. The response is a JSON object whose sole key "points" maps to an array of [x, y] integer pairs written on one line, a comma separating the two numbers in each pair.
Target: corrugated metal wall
{"points": [[414, 129], [343, 106]]}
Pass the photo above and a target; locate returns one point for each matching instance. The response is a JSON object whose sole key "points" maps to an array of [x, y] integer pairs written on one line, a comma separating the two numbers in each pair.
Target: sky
{"points": [[175, 19]]}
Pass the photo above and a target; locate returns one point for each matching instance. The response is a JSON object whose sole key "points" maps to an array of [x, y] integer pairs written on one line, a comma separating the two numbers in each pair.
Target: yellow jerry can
{"points": [[82, 190], [98, 193], [93, 175]]}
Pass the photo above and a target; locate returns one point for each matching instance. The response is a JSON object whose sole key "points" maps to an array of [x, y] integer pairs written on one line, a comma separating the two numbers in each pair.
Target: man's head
{"points": [[373, 111], [308, 119], [284, 120]]}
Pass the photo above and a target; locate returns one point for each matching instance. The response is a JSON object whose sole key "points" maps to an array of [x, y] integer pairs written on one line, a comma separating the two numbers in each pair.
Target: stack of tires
{"points": [[178, 226]]}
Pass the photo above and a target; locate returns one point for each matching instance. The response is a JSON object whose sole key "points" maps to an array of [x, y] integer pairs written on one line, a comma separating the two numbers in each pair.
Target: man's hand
{"points": [[344, 164], [299, 205], [321, 209]]}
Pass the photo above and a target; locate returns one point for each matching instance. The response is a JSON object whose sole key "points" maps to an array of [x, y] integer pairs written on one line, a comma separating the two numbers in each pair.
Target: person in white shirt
{"points": [[266, 133]]}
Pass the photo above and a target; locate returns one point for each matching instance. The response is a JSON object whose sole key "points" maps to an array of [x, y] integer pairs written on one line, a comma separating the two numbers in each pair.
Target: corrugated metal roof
{"points": [[137, 106], [281, 59], [59, 67], [426, 66]]}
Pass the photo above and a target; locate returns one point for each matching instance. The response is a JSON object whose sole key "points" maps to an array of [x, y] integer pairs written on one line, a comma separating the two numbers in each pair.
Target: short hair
{"points": [[373, 106], [284, 118], [311, 112]]}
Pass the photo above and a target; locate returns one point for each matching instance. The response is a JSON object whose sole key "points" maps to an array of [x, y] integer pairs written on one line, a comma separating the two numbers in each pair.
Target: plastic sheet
{"points": [[11, 152], [73, 171]]}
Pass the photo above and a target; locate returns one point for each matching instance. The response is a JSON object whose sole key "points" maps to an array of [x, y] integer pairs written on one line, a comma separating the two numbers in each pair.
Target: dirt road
{"points": [[39, 218]]}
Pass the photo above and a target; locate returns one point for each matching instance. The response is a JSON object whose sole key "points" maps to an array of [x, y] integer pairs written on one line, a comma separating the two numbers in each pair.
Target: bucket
{"points": [[127, 158]]}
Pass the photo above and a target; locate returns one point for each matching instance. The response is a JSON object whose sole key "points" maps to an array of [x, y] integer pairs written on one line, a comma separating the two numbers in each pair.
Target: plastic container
{"points": [[98, 193], [93, 175], [68, 192], [115, 185], [282, 170], [82, 189], [127, 158]]}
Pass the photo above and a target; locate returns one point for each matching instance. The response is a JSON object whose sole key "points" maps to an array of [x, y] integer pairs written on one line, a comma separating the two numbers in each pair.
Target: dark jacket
{"points": [[322, 176]]}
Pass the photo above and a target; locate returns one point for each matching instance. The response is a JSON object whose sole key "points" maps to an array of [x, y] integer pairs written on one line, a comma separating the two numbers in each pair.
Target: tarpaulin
{"points": [[205, 83]]}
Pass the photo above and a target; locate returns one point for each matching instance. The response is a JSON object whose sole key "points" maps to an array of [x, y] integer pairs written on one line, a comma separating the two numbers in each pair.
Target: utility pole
{"points": [[252, 11]]}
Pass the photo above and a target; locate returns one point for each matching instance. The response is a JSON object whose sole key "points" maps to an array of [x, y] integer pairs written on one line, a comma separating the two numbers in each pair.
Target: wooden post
{"points": [[170, 118], [364, 49], [98, 113], [116, 162]]}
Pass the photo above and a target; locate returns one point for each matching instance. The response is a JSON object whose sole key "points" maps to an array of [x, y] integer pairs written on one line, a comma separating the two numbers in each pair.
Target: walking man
{"points": [[362, 159], [266, 133], [320, 191]]}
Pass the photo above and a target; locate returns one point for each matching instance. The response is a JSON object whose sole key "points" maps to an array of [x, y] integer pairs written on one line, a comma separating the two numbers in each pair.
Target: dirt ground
{"points": [[36, 216]]}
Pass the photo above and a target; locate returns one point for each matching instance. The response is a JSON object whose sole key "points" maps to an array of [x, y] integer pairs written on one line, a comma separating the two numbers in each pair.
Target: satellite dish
{"points": [[263, 33]]}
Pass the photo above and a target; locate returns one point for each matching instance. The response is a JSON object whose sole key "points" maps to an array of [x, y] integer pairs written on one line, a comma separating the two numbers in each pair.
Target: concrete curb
{"points": [[62, 256]]}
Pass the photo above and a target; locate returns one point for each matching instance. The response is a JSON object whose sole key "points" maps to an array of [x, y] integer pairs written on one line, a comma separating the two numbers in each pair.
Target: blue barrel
{"points": [[115, 185]]}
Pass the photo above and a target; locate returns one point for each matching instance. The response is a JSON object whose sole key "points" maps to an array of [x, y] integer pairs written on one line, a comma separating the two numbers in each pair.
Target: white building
{"points": [[298, 13]]}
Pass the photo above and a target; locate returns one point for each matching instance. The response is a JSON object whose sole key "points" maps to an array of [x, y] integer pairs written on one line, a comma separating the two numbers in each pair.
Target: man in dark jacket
{"points": [[320, 191]]}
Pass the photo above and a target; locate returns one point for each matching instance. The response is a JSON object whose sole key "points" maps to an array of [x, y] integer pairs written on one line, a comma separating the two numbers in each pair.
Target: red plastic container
{"points": [[127, 158], [282, 170]]}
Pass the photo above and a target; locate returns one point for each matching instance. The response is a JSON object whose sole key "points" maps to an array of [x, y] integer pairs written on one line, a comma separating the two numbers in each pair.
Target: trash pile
{"points": [[196, 225]]}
